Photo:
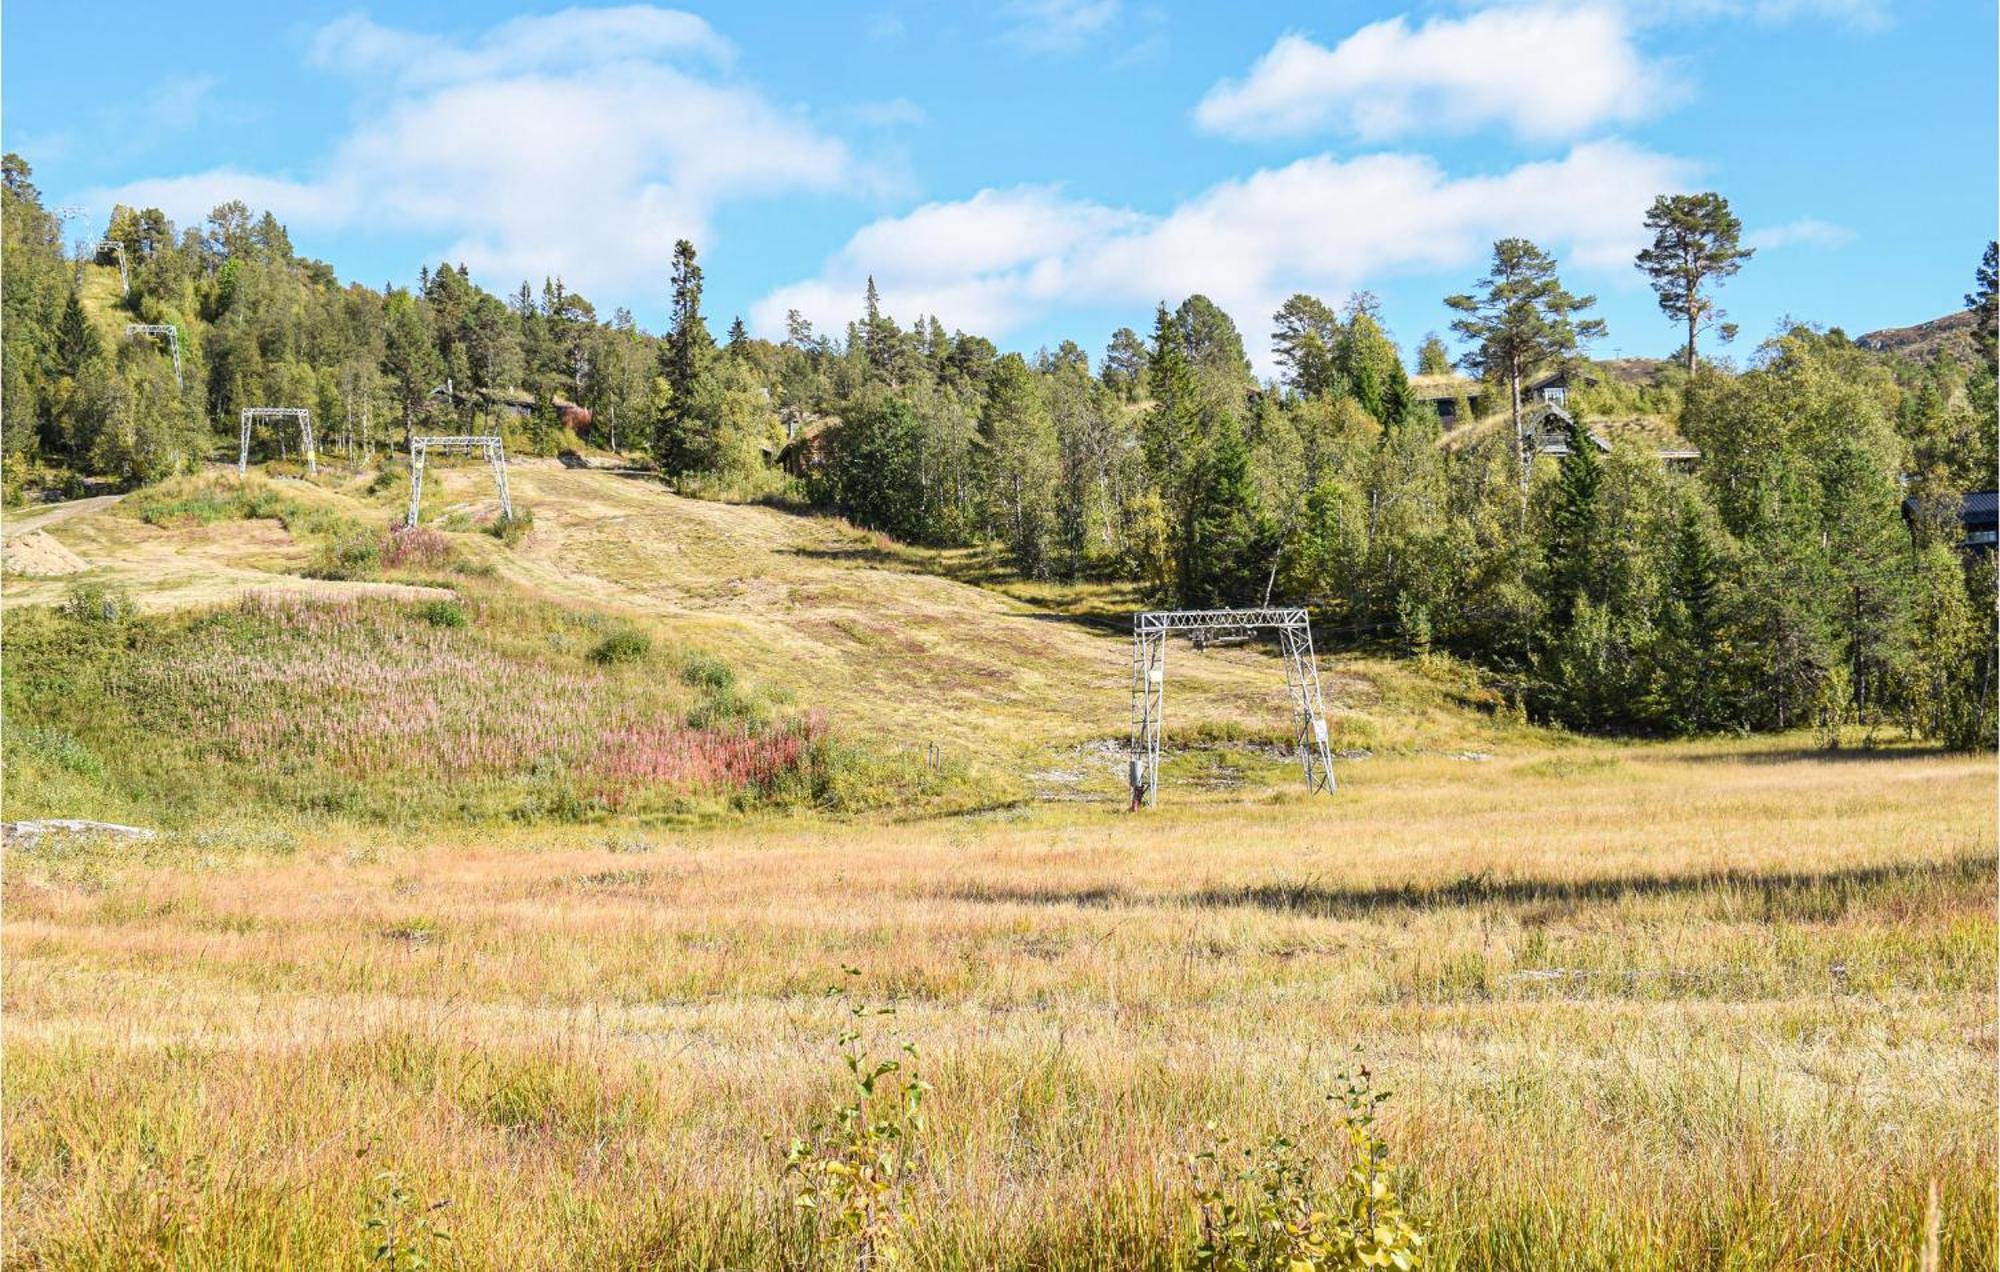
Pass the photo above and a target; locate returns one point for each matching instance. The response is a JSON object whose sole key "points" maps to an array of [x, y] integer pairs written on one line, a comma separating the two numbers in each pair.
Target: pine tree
{"points": [[1211, 342], [1523, 318], [739, 337], [1984, 302], [1124, 368], [1304, 333], [1696, 242], [798, 331]]}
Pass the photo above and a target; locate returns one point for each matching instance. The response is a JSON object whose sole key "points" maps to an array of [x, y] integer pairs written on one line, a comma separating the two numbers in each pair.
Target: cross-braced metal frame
{"points": [[251, 414], [487, 447], [160, 329], [1230, 626], [117, 248]]}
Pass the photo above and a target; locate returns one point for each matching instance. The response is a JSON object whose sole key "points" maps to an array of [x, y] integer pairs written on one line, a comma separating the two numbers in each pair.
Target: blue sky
{"points": [[1041, 169]]}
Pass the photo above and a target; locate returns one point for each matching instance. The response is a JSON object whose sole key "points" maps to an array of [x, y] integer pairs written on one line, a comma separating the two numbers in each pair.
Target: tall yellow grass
{"points": [[1721, 1004]]}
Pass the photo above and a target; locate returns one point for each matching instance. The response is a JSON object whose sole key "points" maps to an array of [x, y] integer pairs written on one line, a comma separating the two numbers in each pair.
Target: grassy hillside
{"points": [[503, 882], [1019, 698], [104, 302]]}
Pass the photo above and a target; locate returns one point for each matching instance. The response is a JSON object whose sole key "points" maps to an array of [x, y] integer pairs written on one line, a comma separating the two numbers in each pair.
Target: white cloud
{"points": [[1542, 71], [574, 39], [1802, 233], [574, 143], [1056, 26], [999, 259]]}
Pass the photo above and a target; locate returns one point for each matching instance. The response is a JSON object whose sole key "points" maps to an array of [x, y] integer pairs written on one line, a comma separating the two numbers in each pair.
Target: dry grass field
{"points": [[1716, 1004]]}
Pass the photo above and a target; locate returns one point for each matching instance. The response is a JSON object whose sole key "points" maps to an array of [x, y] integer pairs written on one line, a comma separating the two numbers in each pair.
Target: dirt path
{"points": [[165, 568], [41, 518]]}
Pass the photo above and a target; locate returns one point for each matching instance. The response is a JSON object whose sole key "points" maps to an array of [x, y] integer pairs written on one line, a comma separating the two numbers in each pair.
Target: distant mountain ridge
{"points": [[1951, 333]]}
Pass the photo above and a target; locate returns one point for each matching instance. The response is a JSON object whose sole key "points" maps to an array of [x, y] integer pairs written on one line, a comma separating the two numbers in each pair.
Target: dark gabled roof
{"points": [[1977, 509], [1582, 375]]}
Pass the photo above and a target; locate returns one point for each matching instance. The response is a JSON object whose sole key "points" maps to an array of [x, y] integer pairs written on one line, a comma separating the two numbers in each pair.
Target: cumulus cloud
{"points": [[1807, 232], [1390, 79], [1001, 258], [584, 142]]}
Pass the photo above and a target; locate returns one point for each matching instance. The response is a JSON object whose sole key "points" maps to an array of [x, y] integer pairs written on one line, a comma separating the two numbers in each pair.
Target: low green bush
{"points": [[442, 613], [707, 673], [98, 603], [622, 645], [511, 530]]}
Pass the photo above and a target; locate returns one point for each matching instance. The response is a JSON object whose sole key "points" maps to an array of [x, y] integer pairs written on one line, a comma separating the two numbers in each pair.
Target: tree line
{"points": [[1775, 582]]}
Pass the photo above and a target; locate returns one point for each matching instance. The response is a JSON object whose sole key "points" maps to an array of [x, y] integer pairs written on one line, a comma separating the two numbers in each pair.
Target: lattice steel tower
{"points": [[486, 446], [251, 414], [1230, 626]]}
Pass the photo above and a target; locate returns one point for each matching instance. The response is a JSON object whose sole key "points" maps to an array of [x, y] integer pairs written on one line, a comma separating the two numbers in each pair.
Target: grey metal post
{"points": [[498, 459], [1309, 712], [418, 453], [1149, 689]]}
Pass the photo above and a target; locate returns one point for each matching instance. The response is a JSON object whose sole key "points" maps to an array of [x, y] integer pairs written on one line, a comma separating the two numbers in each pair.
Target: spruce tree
{"points": [[1220, 563], [1693, 622], [77, 342], [1574, 517], [879, 335], [680, 431]]}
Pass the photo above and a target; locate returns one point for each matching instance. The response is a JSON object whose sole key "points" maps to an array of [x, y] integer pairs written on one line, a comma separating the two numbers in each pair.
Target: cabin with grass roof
{"points": [[1455, 397]]}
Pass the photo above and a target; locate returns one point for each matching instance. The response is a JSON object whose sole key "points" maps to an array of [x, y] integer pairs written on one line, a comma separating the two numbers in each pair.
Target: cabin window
{"points": [[1556, 396]]}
